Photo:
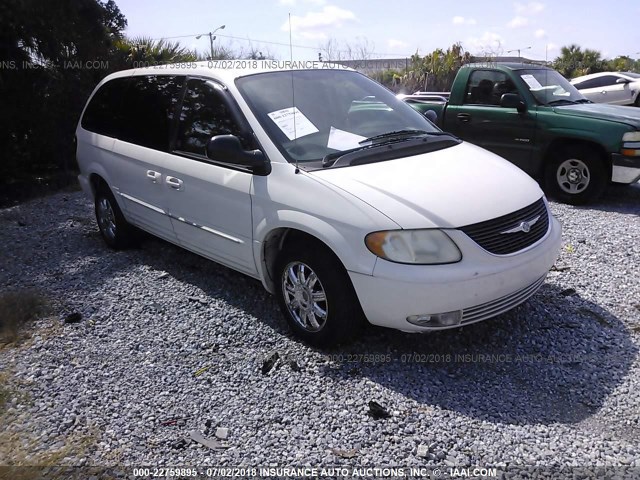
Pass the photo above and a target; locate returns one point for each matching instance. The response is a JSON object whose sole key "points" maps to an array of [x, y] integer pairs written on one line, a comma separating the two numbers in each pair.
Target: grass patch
{"points": [[17, 310], [21, 449], [5, 391], [20, 445]]}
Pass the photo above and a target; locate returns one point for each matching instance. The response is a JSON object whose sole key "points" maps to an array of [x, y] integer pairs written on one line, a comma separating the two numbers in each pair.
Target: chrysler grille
{"points": [[512, 232]]}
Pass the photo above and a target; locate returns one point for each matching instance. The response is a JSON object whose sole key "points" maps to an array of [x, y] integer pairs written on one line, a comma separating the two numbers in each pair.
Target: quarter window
{"points": [[104, 114], [204, 115]]}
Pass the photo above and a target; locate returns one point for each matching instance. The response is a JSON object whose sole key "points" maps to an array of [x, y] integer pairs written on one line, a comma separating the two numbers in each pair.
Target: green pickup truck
{"points": [[532, 116]]}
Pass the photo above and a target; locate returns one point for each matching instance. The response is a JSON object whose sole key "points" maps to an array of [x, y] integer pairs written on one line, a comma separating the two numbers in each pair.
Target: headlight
{"points": [[422, 247], [631, 144], [631, 137]]}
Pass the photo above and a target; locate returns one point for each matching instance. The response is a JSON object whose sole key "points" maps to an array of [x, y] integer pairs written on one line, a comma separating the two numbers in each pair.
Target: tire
{"points": [[115, 230], [334, 315], [637, 102], [576, 175]]}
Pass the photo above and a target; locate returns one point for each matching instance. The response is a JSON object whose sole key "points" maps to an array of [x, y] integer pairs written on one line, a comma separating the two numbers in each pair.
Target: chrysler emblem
{"points": [[523, 227]]}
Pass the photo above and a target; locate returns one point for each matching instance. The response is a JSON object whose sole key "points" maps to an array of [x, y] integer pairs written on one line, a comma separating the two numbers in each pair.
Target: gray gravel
{"points": [[170, 343]]}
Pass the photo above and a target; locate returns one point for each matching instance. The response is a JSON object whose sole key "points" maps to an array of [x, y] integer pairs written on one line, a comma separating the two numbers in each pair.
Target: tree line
{"points": [[52, 54], [435, 71]]}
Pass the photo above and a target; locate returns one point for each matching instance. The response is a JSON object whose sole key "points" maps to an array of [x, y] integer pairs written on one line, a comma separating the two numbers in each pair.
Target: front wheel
{"points": [[576, 175], [316, 296]]}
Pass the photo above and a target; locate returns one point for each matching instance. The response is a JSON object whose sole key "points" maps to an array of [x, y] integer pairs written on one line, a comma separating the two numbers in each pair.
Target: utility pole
{"points": [[518, 50], [211, 39]]}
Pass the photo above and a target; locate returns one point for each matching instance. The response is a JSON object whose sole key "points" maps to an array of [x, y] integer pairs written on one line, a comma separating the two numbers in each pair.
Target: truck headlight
{"points": [[421, 247], [631, 137], [631, 144]]}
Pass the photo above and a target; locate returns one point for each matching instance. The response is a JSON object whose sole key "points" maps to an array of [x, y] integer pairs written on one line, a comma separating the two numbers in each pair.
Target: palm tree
{"points": [[145, 51], [569, 59], [591, 62], [573, 61]]}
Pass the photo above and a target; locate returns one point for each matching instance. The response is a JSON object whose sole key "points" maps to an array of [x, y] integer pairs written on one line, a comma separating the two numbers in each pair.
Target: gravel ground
{"points": [[170, 343]]}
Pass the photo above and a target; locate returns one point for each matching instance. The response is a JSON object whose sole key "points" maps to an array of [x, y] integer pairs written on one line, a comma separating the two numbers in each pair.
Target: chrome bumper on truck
{"points": [[625, 169]]}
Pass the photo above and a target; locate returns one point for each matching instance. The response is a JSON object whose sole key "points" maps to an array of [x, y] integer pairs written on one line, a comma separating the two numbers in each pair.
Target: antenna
{"points": [[293, 92]]}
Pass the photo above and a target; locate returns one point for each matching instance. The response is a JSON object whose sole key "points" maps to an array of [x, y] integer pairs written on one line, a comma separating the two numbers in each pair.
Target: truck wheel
{"points": [[576, 175], [316, 296], [115, 230]]}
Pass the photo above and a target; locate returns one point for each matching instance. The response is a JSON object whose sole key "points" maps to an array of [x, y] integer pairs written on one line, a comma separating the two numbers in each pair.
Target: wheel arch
{"points": [[97, 181], [275, 241], [560, 144]]}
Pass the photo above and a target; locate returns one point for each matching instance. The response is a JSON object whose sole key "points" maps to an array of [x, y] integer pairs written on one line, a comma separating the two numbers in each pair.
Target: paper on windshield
{"points": [[343, 140], [532, 82], [284, 119]]}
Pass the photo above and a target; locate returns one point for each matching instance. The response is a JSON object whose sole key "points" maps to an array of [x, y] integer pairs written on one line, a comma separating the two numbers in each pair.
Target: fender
{"points": [[349, 249]]}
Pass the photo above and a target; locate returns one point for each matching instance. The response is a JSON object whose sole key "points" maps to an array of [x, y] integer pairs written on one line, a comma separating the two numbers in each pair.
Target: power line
{"points": [[308, 47]]}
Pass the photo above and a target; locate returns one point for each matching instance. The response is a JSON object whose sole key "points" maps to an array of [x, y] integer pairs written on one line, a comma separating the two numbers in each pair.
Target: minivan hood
{"points": [[447, 188], [603, 111]]}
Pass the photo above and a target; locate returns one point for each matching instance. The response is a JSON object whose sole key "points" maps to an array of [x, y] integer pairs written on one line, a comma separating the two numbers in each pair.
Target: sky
{"points": [[392, 29]]}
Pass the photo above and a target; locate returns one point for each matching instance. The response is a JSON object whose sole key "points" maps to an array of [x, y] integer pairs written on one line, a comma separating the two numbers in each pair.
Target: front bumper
{"points": [[482, 285], [625, 169]]}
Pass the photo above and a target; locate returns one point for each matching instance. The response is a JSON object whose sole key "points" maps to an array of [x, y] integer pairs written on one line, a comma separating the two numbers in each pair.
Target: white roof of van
{"points": [[229, 70]]}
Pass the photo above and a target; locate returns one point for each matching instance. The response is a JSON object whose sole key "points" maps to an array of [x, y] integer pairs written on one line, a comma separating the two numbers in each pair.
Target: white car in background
{"points": [[616, 88]]}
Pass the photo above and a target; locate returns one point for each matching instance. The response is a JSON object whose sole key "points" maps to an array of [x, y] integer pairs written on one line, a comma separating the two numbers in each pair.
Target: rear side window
{"points": [[149, 107], [104, 113]]}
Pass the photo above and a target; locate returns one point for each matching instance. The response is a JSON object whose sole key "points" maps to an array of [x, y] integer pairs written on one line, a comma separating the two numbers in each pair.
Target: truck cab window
{"points": [[486, 87]]}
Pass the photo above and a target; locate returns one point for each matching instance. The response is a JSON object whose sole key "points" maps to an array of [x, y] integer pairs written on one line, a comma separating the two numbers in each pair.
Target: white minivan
{"points": [[343, 200]]}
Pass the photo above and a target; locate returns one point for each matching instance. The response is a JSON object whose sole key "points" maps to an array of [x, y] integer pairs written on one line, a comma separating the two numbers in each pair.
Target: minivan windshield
{"points": [[309, 114], [551, 88]]}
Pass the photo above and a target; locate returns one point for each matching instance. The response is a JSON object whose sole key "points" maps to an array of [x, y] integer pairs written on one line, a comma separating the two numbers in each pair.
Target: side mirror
{"points": [[513, 100], [227, 149], [622, 80], [431, 116]]}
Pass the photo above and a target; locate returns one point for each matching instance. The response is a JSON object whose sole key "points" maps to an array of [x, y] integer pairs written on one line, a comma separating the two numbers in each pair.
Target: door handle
{"points": [[603, 92], [464, 117], [174, 182], [153, 176]]}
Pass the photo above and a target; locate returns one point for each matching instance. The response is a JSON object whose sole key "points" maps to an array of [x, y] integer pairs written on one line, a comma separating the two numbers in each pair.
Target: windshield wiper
{"points": [[395, 133], [562, 102], [390, 149], [331, 158], [584, 100]]}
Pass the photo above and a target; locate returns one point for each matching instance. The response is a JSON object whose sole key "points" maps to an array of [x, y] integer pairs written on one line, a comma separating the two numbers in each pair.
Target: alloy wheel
{"points": [[305, 296], [107, 218]]}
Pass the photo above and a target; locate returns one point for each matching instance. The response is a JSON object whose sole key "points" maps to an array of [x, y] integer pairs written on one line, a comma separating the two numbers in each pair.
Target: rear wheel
{"points": [[115, 230], [576, 175], [316, 296]]}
